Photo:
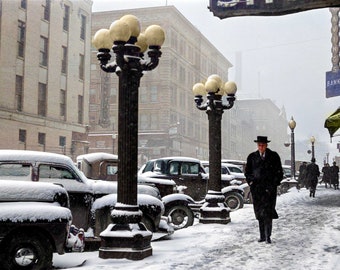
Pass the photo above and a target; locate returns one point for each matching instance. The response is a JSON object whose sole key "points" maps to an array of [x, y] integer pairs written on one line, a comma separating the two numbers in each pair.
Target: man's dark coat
{"points": [[263, 177]]}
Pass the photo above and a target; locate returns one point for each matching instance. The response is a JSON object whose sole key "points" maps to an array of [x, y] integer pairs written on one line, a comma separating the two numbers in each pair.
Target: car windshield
{"points": [[235, 169], [149, 166]]}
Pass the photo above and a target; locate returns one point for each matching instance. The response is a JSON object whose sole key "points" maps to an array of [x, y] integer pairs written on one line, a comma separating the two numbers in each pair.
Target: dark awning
{"points": [[332, 122]]}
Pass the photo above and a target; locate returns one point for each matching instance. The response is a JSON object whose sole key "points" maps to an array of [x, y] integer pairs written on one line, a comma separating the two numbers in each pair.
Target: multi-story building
{"points": [[261, 117], [44, 74]]}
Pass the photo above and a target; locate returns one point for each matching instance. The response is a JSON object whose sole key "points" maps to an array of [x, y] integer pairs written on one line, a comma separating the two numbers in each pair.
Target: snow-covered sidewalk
{"points": [[305, 236]]}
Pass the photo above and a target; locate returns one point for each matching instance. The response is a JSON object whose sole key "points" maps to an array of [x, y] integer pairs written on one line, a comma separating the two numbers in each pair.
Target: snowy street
{"points": [[306, 236]]}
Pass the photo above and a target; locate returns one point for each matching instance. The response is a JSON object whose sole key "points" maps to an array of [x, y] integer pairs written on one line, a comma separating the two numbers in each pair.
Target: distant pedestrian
{"points": [[335, 175], [302, 174], [264, 174], [313, 173], [326, 175]]}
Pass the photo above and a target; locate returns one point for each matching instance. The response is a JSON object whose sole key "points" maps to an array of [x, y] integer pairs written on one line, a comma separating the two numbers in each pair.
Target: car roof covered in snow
{"points": [[26, 155], [91, 157]]}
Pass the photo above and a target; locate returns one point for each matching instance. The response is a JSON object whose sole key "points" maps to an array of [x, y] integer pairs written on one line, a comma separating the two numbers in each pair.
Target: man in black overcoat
{"points": [[264, 173], [313, 174]]}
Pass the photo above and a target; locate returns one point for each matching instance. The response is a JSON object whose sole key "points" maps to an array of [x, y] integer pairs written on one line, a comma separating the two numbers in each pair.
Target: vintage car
{"points": [[104, 166], [191, 179], [55, 168], [34, 223], [228, 169]]}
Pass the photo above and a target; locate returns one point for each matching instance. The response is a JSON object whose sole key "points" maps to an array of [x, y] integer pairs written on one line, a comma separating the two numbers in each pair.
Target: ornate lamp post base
{"points": [[214, 209], [129, 241], [126, 237]]}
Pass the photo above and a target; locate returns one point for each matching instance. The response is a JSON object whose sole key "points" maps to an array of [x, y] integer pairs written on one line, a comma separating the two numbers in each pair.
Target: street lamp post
{"points": [[214, 209], [292, 125], [127, 237], [312, 140]]}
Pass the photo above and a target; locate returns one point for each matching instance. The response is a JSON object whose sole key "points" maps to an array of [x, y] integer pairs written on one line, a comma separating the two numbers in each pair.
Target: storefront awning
{"points": [[332, 122]]}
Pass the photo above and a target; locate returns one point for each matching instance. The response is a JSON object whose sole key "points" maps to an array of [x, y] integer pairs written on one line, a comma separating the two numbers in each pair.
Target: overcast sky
{"points": [[284, 58]]}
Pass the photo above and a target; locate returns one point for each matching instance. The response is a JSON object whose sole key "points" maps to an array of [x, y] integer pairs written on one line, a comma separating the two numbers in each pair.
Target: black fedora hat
{"points": [[261, 139]]}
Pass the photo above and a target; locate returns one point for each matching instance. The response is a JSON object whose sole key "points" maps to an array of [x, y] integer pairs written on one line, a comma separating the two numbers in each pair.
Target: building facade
{"points": [[45, 71], [261, 117]]}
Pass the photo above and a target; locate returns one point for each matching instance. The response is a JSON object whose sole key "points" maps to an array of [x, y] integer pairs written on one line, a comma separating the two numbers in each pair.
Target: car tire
{"points": [[35, 252], [180, 216], [234, 200]]}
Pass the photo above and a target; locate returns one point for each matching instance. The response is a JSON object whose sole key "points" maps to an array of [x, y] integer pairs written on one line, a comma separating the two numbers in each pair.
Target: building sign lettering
{"points": [[233, 8], [332, 84]]}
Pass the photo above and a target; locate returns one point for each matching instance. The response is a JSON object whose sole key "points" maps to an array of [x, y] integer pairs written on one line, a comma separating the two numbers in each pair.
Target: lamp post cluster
{"points": [[127, 237], [214, 209], [292, 125]]}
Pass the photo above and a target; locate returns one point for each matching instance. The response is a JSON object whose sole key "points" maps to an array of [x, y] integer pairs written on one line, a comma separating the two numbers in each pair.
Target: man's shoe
{"points": [[261, 240], [268, 241]]}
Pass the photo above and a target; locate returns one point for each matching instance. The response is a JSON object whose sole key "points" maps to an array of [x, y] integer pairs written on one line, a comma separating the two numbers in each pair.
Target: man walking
{"points": [[264, 173], [335, 175], [313, 174]]}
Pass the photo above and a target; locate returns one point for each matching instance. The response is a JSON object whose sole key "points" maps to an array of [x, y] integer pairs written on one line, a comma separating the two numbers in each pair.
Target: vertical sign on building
{"points": [[333, 76]]}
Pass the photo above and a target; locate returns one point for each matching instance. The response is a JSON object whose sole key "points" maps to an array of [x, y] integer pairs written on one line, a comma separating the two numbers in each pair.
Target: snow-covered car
{"points": [[34, 223], [104, 166], [55, 168], [228, 169], [191, 179]]}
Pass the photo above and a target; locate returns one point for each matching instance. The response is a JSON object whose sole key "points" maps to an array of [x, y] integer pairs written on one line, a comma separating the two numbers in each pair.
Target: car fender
{"points": [[177, 199], [238, 189]]}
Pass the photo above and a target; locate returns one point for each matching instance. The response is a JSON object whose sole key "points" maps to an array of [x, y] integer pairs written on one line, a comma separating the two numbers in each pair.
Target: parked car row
{"points": [[34, 166], [192, 179], [181, 181]]}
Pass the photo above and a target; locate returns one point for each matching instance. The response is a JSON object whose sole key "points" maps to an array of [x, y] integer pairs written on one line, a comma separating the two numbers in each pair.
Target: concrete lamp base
{"points": [[214, 210], [129, 241]]}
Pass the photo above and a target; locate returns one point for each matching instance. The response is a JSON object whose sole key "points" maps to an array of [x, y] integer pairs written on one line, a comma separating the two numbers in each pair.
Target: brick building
{"points": [[45, 71]]}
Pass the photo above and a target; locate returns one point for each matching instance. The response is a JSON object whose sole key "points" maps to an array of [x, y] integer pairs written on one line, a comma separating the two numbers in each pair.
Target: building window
{"points": [[43, 51], [154, 94], [62, 141], [64, 60], [42, 99], [19, 92], [66, 18], [21, 38], [81, 66], [63, 104], [47, 10], [80, 109], [23, 4], [42, 139], [143, 97], [83, 27], [22, 135]]}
